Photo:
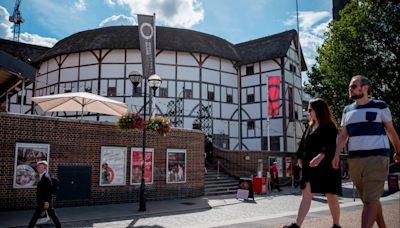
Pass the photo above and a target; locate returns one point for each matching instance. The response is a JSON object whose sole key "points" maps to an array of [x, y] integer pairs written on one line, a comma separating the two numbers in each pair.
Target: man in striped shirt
{"points": [[367, 127]]}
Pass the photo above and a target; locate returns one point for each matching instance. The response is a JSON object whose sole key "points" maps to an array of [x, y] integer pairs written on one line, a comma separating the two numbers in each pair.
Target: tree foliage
{"points": [[364, 41]]}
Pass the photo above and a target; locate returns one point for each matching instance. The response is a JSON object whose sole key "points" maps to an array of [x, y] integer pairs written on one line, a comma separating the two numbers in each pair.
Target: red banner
{"points": [[274, 89]]}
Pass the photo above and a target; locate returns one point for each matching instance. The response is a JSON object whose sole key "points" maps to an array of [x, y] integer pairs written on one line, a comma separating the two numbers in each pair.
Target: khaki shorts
{"points": [[369, 175]]}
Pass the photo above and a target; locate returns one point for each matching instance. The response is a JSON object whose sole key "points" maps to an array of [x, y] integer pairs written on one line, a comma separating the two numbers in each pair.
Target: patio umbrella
{"points": [[80, 102]]}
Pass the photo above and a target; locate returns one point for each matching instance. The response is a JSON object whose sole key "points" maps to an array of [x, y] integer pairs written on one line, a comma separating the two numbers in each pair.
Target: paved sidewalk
{"points": [[272, 210]]}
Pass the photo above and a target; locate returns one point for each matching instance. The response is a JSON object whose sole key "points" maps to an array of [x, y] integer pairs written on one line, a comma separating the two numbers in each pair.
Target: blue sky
{"points": [[48, 21]]}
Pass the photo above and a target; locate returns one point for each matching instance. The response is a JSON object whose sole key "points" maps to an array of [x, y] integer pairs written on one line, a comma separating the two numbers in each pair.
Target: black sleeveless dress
{"points": [[323, 178]]}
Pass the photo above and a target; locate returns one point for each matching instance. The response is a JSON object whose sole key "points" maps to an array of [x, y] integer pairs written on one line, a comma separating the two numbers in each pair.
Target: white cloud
{"points": [[174, 13], [7, 33], [5, 25], [312, 25], [118, 20], [80, 5], [109, 2], [37, 40]]}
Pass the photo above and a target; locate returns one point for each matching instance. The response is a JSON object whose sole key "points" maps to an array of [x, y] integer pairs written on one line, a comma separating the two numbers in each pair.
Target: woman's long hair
{"points": [[322, 112]]}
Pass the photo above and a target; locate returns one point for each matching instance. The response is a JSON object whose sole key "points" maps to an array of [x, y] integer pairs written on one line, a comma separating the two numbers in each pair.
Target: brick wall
{"points": [[245, 163], [78, 143]]}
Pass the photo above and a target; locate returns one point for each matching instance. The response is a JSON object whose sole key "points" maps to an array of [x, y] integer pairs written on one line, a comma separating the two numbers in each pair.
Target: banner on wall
{"points": [[113, 166], [26, 157], [274, 85], [147, 35], [136, 166]]}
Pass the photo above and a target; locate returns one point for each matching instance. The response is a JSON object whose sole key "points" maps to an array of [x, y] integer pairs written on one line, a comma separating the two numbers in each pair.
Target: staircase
{"points": [[221, 184]]}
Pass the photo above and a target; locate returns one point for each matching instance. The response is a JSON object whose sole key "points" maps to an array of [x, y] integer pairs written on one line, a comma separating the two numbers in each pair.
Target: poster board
{"points": [[112, 166], [136, 165], [176, 166], [26, 157], [289, 165], [245, 190]]}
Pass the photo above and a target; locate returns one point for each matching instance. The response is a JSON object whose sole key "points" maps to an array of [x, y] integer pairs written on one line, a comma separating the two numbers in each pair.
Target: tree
{"points": [[364, 41]]}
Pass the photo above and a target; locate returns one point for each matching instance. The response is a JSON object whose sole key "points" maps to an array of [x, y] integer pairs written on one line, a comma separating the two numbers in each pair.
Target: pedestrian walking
{"points": [[314, 156], [44, 196], [366, 126]]}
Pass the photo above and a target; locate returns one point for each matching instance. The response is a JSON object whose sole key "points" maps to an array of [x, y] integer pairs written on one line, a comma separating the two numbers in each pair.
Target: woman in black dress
{"points": [[314, 156]]}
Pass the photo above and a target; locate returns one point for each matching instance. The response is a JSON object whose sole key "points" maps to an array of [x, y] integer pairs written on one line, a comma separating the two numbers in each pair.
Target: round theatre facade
{"points": [[199, 78]]}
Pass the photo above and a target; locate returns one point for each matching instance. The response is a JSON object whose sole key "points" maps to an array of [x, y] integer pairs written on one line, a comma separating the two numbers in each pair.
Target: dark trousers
{"points": [[50, 212], [275, 184]]}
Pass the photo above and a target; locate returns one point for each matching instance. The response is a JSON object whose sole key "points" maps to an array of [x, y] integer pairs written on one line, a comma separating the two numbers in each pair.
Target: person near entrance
{"points": [[275, 177], [44, 196]]}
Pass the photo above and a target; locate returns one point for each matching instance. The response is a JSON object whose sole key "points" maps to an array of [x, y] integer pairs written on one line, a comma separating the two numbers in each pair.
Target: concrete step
{"points": [[219, 183]]}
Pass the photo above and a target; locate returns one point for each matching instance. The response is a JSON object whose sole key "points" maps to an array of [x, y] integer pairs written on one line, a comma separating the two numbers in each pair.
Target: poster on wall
{"points": [[279, 164], [112, 166], [288, 161], [176, 166], [26, 157], [136, 165]]}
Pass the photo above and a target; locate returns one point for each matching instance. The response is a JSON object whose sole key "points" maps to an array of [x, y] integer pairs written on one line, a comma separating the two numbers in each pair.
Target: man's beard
{"points": [[357, 96]]}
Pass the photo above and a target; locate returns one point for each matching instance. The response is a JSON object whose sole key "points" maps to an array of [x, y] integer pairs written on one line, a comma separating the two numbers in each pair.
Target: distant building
{"points": [[337, 6], [207, 82]]}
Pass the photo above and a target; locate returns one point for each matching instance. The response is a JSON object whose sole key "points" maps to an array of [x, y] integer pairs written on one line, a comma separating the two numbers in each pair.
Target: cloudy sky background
{"points": [[48, 21]]}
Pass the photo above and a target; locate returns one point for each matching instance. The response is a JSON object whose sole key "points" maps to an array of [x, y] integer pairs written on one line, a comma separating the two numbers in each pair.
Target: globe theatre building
{"points": [[208, 83]]}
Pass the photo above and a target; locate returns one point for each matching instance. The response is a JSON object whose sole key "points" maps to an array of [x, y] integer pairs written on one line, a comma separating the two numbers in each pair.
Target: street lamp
{"points": [[154, 82], [135, 77]]}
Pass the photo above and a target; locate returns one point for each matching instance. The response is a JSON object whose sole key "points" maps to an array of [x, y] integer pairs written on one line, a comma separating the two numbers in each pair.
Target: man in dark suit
{"points": [[44, 196]]}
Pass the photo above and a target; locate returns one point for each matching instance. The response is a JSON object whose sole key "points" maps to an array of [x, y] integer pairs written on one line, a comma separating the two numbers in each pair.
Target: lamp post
{"points": [[155, 82]]}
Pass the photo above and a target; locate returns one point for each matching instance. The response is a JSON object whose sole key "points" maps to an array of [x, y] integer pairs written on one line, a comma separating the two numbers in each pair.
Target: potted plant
{"points": [[159, 124], [131, 121]]}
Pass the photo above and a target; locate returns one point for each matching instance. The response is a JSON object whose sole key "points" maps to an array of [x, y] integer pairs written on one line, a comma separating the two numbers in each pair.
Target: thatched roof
{"points": [[127, 37], [175, 39], [22, 51], [269, 47]]}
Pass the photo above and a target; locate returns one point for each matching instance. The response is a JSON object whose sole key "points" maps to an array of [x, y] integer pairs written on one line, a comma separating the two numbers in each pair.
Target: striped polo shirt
{"points": [[364, 124]]}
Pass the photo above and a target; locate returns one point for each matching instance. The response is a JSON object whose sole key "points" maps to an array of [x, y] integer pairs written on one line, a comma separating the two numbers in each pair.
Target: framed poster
{"points": [[112, 166], [176, 166], [26, 157], [136, 165], [289, 166]]}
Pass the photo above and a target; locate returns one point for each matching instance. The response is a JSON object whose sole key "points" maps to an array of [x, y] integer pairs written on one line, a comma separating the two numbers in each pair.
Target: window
{"points": [[229, 98], [292, 68], [249, 70], [187, 93], [210, 96], [250, 98], [112, 91], [274, 142], [250, 124], [67, 90], [163, 92]]}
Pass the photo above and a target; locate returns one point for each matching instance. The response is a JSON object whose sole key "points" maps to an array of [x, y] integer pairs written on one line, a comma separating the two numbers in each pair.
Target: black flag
{"points": [[147, 32]]}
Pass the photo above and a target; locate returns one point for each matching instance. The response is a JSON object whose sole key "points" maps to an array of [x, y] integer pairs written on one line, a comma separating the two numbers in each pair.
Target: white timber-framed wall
{"points": [[285, 130], [192, 76]]}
